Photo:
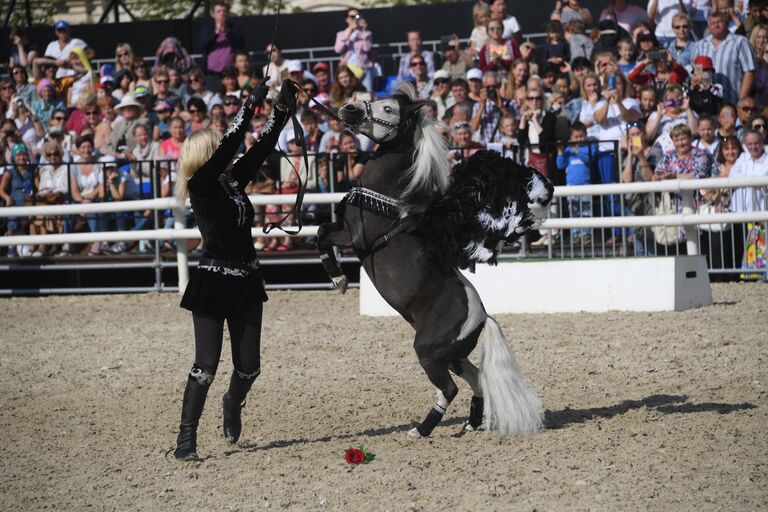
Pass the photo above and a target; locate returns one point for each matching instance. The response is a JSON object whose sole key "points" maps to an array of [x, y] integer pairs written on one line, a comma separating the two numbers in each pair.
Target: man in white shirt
{"points": [[57, 52], [750, 164], [499, 12]]}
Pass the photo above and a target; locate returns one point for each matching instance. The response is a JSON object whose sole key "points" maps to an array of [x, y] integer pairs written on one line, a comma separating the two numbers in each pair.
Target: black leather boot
{"points": [[191, 410], [233, 401]]}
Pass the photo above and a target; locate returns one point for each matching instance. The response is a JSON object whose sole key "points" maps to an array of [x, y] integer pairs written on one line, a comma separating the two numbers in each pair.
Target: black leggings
{"points": [[245, 332]]}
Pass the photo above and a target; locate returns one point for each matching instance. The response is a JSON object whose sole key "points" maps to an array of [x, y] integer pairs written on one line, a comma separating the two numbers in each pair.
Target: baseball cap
{"points": [[107, 78], [474, 74], [704, 61], [294, 66], [141, 91], [441, 73], [321, 66], [164, 105], [108, 161], [61, 25]]}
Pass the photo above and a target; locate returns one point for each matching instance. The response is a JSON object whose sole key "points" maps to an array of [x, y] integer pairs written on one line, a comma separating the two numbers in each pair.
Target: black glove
{"points": [[287, 96], [260, 94]]}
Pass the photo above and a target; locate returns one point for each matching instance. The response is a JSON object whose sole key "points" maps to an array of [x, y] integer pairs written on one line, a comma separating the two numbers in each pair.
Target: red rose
{"points": [[354, 456]]}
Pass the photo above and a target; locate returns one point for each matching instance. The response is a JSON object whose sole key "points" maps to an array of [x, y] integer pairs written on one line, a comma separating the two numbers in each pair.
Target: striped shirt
{"points": [[732, 59]]}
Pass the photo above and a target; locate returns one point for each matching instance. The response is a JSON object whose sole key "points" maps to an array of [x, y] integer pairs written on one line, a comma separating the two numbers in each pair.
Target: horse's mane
{"points": [[428, 175]]}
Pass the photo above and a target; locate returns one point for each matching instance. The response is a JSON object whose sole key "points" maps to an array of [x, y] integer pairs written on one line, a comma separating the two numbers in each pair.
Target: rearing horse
{"points": [[383, 221]]}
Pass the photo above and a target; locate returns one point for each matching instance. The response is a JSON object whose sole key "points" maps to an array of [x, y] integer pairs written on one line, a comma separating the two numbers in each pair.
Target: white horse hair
{"points": [[431, 166], [510, 405]]}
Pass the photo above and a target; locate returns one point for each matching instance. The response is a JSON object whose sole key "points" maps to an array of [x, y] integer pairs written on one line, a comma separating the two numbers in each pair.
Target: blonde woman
{"points": [[123, 56], [228, 284]]}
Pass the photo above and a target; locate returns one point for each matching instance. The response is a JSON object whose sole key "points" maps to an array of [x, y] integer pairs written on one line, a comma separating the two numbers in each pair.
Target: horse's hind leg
{"points": [[328, 236], [469, 372], [437, 372]]}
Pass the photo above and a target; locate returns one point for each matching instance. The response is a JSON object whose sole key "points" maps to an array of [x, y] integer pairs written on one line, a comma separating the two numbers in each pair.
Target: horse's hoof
{"points": [[341, 283], [414, 432]]}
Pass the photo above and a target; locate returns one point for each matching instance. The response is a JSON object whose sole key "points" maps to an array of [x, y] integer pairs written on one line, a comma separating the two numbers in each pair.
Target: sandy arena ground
{"points": [[663, 411]]}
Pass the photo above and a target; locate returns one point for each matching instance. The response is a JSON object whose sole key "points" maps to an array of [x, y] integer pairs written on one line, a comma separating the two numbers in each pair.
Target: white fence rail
{"points": [[685, 187]]}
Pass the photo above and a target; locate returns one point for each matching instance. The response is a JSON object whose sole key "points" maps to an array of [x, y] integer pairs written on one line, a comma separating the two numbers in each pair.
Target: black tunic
{"points": [[228, 278]]}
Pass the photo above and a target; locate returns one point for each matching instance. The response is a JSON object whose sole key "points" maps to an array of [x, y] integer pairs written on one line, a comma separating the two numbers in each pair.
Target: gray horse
{"points": [[389, 221]]}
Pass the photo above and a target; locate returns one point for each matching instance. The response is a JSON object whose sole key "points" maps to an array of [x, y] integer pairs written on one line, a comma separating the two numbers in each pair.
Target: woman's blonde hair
{"points": [[196, 150], [118, 50]]}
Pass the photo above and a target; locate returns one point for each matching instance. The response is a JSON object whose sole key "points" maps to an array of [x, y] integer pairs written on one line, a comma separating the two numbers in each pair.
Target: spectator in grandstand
{"points": [[746, 109], [453, 62], [21, 50], [228, 84], [461, 139], [241, 63], [625, 14], [638, 166], [571, 11], [646, 43], [732, 57], [726, 121], [198, 88], [91, 116], [481, 14], [46, 102], [705, 96], [8, 137], [556, 49], [626, 61], [441, 91], [474, 84], [57, 52], [728, 151], [344, 87], [579, 44], [420, 78], [758, 124], [144, 153], [537, 133], [609, 35], [518, 75], [219, 39], [121, 141], [605, 64], [459, 96], [124, 83], [674, 110], [51, 188], [497, 54], [141, 71], [706, 139], [662, 12], [682, 48], [665, 71], [575, 161], [162, 89], [25, 91], [404, 70], [321, 70], [312, 133], [103, 131], [124, 56], [487, 112], [348, 162], [511, 26], [759, 39], [198, 115], [684, 161], [29, 128], [752, 163], [171, 147], [17, 188], [354, 44], [86, 186], [509, 138], [179, 87], [590, 97], [231, 106], [276, 67]]}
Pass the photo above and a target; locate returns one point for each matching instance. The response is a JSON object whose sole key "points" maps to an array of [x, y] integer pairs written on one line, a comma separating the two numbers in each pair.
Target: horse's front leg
{"points": [[328, 236]]}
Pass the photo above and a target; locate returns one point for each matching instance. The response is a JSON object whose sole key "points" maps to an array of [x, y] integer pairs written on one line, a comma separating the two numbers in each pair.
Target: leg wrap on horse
{"points": [[234, 400], [426, 427], [476, 412], [198, 384]]}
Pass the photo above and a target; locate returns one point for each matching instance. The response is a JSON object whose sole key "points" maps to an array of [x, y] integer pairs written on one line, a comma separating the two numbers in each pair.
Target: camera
{"points": [[657, 55], [491, 91]]}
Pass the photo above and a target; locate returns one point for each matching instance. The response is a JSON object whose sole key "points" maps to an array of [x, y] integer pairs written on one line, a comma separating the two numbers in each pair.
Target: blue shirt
{"points": [[683, 56], [575, 162]]}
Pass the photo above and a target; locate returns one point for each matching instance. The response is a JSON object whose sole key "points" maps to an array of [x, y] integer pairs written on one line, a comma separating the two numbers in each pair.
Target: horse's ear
{"points": [[414, 107]]}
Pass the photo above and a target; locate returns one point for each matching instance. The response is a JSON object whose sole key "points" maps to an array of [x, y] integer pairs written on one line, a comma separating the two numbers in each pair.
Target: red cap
{"points": [[320, 66], [704, 61]]}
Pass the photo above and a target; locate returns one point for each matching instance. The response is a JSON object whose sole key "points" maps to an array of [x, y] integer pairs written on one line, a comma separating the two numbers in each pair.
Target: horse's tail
{"points": [[509, 404]]}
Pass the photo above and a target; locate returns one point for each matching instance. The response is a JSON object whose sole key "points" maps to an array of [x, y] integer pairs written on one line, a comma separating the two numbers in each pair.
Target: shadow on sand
{"points": [[666, 404]]}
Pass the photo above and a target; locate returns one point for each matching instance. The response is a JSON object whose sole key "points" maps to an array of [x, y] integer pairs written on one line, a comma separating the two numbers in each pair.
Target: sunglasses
{"points": [[89, 114], [419, 63], [747, 108], [18, 71], [194, 111], [441, 81], [352, 15], [124, 54], [194, 79], [760, 126], [6, 87], [231, 103], [461, 125], [61, 118], [495, 29], [534, 98], [678, 27], [51, 155], [161, 81]]}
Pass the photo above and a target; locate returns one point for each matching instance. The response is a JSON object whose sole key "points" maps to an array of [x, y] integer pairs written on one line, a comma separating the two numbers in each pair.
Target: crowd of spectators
{"points": [[677, 90]]}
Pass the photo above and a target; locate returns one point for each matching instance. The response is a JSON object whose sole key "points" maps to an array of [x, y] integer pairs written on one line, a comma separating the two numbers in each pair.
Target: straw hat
{"points": [[129, 101]]}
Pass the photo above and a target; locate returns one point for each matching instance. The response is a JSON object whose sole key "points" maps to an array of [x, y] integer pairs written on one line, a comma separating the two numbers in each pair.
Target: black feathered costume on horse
{"points": [[413, 225]]}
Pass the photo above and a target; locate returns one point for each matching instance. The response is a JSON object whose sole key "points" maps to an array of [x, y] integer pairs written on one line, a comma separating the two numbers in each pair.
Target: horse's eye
{"points": [[388, 110]]}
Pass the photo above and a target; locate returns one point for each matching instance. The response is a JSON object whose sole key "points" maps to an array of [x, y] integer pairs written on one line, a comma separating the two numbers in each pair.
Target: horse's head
{"points": [[383, 120], [540, 192]]}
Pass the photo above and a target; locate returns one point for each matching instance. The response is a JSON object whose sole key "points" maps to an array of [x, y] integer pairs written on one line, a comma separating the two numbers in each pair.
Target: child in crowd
{"points": [[508, 127], [648, 101], [706, 139], [579, 44], [556, 50], [575, 161], [626, 60]]}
